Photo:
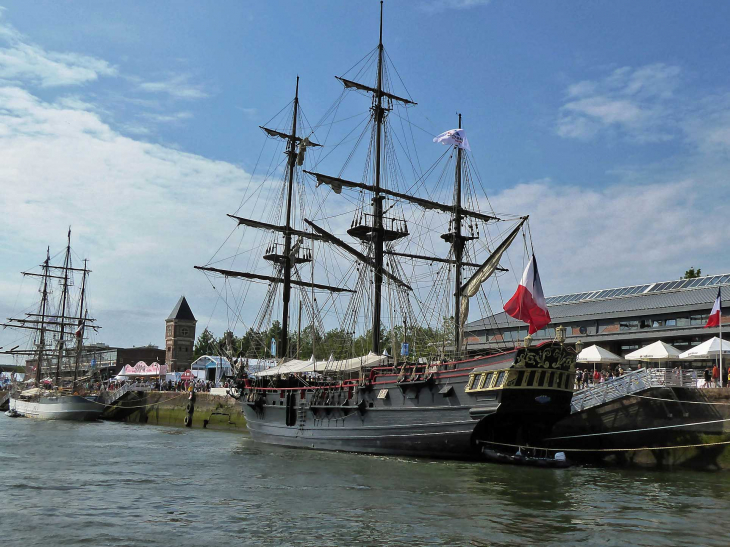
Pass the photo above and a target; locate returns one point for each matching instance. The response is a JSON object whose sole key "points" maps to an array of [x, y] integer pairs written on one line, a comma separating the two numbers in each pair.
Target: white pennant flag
{"points": [[454, 136]]}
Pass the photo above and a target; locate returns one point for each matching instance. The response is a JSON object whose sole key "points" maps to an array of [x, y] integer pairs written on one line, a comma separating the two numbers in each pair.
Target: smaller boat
{"points": [[529, 457], [12, 413], [56, 328]]}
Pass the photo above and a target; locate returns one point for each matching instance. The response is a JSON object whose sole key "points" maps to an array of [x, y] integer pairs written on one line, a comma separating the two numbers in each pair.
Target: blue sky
{"points": [[136, 122]]}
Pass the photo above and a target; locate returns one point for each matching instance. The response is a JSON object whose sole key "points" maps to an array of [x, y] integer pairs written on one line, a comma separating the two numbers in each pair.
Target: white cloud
{"points": [[174, 117], [622, 234], [143, 213], [177, 86], [29, 63], [634, 102], [435, 6]]}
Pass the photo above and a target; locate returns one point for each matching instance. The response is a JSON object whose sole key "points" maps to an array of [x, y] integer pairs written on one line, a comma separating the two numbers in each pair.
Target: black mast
{"points": [[64, 298], [42, 338], [283, 346], [377, 198], [80, 331], [458, 246]]}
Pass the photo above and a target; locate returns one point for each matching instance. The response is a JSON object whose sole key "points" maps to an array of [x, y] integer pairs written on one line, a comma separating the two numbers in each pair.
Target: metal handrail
{"points": [[629, 383]]}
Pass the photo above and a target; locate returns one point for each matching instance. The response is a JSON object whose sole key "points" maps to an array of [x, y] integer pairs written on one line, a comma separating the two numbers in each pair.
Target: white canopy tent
{"points": [[707, 350], [597, 355], [657, 352], [710, 349], [314, 366]]}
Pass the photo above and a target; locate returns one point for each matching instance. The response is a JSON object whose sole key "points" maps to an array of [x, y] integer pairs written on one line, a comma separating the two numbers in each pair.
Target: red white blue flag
{"points": [[528, 303], [714, 319]]}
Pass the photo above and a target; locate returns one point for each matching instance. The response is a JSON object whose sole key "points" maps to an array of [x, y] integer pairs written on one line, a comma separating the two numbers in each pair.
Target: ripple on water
{"points": [[127, 485]]}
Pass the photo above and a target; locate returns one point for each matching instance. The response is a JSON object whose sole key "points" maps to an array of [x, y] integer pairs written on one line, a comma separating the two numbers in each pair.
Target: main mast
{"points": [[377, 232], [292, 151]]}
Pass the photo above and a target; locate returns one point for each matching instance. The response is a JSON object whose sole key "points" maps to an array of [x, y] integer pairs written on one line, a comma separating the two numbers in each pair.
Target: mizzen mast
{"points": [[82, 325]]}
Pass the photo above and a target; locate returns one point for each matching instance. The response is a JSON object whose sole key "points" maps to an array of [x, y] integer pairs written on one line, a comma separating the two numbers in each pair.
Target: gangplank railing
{"points": [[113, 396], [630, 383]]}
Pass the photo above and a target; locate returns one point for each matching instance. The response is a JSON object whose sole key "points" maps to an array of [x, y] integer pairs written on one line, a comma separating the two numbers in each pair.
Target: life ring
{"points": [[190, 407]]}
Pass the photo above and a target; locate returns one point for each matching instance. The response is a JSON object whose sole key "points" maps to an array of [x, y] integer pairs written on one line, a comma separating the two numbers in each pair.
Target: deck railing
{"points": [[630, 383]]}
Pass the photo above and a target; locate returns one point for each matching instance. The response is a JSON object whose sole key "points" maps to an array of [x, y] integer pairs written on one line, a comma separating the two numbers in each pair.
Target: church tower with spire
{"points": [[180, 337]]}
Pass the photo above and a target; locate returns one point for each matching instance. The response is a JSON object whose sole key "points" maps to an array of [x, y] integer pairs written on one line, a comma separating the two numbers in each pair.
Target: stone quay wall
{"points": [[659, 417], [170, 408]]}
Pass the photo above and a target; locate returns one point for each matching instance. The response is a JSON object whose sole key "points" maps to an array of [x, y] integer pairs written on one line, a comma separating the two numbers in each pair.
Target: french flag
{"points": [[528, 303], [714, 319]]}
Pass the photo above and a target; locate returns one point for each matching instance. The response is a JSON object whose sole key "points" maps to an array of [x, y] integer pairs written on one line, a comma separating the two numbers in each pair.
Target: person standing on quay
{"points": [[716, 376]]}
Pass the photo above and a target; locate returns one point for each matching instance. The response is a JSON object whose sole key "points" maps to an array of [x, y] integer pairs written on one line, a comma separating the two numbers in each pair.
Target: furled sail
{"points": [[471, 287]]}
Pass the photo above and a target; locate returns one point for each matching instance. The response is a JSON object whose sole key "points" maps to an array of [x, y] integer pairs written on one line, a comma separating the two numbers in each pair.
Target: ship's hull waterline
{"points": [[443, 417], [69, 408]]}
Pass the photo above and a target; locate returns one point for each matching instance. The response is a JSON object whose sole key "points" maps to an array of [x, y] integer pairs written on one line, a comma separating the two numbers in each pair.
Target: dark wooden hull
{"points": [[437, 417]]}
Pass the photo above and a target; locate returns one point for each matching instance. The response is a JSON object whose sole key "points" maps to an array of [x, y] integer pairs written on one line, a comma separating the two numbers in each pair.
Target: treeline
{"points": [[341, 344]]}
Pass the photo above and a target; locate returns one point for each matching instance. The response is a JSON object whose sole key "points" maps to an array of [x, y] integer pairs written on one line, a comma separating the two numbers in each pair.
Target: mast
{"points": [[80, 331], [458, 246], [378, 199], [64, 299], [283, 346], [42, 326]]}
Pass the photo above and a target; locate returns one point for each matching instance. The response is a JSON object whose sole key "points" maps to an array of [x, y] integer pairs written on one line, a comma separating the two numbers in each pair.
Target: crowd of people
{"points": [[711, 377], [154, 384], [585, 378]]}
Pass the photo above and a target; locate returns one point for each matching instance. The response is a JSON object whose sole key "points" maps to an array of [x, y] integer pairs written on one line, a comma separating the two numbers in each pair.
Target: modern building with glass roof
{"points": [[620, 319]]}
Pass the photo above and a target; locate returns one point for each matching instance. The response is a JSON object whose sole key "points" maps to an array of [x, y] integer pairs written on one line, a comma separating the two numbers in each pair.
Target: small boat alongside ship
{"points": [[56, 331]]}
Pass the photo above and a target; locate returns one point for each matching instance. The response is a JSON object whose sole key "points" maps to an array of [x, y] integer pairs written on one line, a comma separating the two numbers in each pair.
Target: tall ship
{"points": [[396, 375], [51, 337]]}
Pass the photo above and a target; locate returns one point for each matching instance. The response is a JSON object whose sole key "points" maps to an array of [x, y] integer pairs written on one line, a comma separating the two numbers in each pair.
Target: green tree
{"points": [[691, 273], [204, 345]]}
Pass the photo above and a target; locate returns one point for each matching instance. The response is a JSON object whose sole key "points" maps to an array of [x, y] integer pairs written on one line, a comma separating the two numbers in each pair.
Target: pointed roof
{"points": [[182, 311]]}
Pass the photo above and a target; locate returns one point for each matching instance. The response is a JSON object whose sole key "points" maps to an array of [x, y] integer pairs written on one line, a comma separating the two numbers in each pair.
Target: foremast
{"points": [[292, 254], [288, 262]]}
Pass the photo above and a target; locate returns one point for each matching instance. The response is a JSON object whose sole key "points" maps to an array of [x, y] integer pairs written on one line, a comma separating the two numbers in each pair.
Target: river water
{"points": [[127, 485]]}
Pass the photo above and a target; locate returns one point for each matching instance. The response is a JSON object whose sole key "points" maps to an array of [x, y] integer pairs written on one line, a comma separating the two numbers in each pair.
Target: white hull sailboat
{"points": [[55, 329], [69, 407]]}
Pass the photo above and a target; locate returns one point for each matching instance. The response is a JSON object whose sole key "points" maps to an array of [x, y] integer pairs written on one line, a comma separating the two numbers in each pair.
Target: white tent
{"points": [[596, 354], [707, 350], [346, 365], [658, 351]]}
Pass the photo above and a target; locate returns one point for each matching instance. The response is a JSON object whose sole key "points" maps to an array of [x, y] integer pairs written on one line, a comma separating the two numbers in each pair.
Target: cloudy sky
{"points": [[136, 123]]}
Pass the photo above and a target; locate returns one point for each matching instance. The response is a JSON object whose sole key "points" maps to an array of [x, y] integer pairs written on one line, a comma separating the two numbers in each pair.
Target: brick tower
{"points": [[180, 337]]}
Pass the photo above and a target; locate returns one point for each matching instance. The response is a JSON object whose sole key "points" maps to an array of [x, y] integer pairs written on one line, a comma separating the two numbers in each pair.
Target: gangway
{"points": [[4, 399], [629, 384]]}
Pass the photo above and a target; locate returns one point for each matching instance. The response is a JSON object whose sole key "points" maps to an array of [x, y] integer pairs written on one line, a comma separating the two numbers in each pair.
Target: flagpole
{"points": [[719, 294]]}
